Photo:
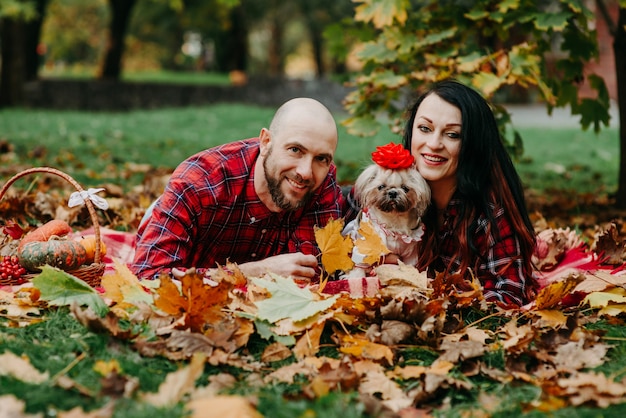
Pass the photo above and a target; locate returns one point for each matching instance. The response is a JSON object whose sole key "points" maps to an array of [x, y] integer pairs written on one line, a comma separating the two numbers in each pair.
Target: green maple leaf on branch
{"points": [[288, 300]]}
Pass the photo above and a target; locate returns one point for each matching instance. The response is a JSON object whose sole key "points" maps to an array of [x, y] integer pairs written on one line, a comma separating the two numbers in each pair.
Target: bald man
{"points": [[253, 202]]}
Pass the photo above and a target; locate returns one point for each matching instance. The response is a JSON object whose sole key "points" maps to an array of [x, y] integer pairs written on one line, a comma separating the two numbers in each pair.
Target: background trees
{"points": [[499, 47], [506, 49]]}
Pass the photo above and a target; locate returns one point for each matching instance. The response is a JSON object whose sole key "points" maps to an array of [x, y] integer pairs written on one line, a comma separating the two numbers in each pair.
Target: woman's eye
{"points": [[454, 135], [423, 128]]}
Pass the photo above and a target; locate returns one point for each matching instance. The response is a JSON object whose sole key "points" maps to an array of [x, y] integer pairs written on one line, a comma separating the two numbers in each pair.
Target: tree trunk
{"points": [[275, 56], [32, 34], [12, 77], [619, 46], [231, 45], [120, 16], [318, 50]]}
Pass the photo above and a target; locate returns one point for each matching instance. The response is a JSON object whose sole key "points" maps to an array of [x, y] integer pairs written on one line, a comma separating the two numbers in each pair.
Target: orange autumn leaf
{"points": [[201, 303], [334, 247], [370, 243], [309, 342]]}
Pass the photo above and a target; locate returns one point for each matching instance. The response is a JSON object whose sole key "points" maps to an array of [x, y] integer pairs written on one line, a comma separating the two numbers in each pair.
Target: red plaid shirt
{"points": [[210, 213], [500, 270]]}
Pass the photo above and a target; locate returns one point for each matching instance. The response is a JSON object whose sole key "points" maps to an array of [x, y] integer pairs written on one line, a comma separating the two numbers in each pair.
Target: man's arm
{"points": [[166, 239]]}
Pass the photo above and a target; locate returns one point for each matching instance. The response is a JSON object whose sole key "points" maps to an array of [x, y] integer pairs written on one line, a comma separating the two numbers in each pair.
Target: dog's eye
{"points": [[382, 186], [406, 189]]}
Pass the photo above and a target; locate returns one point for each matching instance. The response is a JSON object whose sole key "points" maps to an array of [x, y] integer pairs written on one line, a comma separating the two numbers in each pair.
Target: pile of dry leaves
{"points": [[190, 317]]}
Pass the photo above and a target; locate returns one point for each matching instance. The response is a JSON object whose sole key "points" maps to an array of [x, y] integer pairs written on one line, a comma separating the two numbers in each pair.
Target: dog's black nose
{"points": [[392, 194]]}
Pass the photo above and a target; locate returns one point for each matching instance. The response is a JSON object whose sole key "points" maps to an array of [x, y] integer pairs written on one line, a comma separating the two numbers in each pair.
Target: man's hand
{"points": [[297, 265]]}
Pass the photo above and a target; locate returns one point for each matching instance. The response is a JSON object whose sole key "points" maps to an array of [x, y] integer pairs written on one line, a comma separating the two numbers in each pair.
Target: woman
{"points": [[477, 222]]}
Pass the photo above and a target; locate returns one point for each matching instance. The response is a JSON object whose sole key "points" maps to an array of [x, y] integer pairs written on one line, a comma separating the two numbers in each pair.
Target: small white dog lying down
{"points": [[394, 201]]}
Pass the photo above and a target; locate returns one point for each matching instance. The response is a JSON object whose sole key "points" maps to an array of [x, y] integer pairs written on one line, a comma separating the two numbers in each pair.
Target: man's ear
{"points": [[265, 139]]}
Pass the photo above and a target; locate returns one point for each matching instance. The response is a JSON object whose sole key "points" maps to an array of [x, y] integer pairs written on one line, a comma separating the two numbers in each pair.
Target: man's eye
{"points": [[294, 149]]}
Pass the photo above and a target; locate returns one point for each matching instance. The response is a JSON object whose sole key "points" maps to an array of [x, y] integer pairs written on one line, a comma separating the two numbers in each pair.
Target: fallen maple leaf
{"points": [[602, 299], [201, 303], [370, 244], [401, 275], [222, 406], [20, 368], [12, 229], [177, 384], [59, 288], [309, 342], [609, 246], [334, 247], [600, 280], [19, 306], [362, 348], [10, 406], [551, 318], [109, 322], [379, 385], [593, 388], [552, 295], [124, 288], [275, 352], [288, 300]]}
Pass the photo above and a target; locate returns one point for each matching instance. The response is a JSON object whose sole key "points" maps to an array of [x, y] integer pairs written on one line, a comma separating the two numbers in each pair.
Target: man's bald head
{"points": [[304, 113]]}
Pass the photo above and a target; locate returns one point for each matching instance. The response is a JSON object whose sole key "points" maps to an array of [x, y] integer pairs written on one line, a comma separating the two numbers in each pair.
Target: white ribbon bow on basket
{"points": [[78, 198]]}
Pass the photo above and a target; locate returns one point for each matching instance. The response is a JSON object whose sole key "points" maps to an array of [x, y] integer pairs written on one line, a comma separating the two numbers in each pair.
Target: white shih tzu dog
{"points": [[393, 196]]}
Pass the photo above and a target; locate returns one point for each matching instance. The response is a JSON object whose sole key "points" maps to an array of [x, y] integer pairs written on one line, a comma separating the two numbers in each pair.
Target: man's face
{"points": [[296, 167]]}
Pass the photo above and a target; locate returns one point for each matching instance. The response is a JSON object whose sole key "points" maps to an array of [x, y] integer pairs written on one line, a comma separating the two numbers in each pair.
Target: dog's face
{"points": [[392, 191]]}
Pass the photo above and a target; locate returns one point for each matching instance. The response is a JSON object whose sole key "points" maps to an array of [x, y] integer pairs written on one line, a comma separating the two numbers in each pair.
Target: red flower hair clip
{"points": [[393, 157]]}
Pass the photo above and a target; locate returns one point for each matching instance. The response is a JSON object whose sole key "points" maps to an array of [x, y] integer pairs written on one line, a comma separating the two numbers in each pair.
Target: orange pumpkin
{"points": [[55, 227], [89, 243]]}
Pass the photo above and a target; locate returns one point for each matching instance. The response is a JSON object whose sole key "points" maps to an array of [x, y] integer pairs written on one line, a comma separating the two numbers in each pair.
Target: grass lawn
{"points": [[78, 142]]}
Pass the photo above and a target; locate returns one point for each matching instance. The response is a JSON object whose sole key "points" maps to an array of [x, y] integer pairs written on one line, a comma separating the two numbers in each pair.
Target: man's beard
{"points": [[279, 198]]}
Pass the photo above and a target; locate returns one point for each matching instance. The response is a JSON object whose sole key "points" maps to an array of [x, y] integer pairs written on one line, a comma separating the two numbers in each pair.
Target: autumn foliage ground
{"points": [[249, 347]]}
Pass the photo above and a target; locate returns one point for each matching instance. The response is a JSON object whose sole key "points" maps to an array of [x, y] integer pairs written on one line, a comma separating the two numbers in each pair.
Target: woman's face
{"points": [[436, 141]]}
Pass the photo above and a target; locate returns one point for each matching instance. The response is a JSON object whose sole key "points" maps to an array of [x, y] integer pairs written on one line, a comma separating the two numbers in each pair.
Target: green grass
{"points": [[60, 346], [157, 76], [570, 159], [101, 143]]}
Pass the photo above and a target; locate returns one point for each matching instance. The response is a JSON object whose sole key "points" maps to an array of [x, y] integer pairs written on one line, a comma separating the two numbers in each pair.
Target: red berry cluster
{"points": [[10, 268]]}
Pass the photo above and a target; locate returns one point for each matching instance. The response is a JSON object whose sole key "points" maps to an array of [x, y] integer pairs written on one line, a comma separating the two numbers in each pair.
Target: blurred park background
{"points": [[153, 67]]}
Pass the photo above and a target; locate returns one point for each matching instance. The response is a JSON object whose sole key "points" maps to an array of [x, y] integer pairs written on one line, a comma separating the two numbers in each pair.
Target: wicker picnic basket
{"points": [[92, 273]]}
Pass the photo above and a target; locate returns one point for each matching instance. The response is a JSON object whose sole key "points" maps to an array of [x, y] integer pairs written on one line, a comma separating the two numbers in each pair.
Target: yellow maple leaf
{"points": [[551, 295], [615, 296], [552, 318], [124, 288], [334, 247], [370, 244], [365, 349]]}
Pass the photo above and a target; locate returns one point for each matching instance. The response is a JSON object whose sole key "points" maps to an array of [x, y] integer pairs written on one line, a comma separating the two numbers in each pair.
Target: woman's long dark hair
{"points": [[485, 176]]}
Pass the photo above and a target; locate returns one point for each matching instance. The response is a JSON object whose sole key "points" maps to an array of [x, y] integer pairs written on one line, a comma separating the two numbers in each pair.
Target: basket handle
{"points": [[69, 179]]}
